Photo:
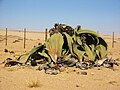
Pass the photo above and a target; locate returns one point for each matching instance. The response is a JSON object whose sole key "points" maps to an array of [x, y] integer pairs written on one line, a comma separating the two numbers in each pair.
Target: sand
{"points": [[16, 78]]}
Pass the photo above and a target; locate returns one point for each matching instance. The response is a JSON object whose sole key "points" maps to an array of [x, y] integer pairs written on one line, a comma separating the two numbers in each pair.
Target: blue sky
{"points": [[98, 15]]}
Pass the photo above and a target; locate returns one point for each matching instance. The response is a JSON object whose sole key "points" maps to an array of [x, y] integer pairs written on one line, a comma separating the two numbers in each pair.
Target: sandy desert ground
{"points": [[13, 78]]}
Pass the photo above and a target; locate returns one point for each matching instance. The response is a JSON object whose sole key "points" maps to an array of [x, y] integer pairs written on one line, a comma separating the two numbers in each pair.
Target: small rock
{"points": [[77, 86], [84, 66], [77, 72], [62, 69], [99, 68], [11, 52], [83, 73], [78, 65], [5, 50], [74, 70], [112, 82], [16, 41], [43, 67], [52, 72], [36, 67], [92, 73], [33, 63], [108, 65], [67, 72], [39, 43]]}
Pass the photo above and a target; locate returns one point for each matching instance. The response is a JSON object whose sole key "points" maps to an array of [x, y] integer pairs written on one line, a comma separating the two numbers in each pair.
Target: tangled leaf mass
{"points": [[67, 47]]}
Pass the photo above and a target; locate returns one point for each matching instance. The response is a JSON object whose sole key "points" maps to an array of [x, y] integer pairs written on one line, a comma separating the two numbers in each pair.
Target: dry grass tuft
{"points": [[33, 83]]}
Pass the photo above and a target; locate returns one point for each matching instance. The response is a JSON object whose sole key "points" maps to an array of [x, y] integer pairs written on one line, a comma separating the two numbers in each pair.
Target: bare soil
{"points": [[16, 78]]}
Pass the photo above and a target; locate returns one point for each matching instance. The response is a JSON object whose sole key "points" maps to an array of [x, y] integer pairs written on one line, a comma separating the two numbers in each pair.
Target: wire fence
{"points": [[25, 34]]}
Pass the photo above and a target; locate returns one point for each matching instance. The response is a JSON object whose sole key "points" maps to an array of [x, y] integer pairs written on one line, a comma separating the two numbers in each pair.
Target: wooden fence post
{"points": [[6, 38], [113, 40], [24, 37], [46, 34]]}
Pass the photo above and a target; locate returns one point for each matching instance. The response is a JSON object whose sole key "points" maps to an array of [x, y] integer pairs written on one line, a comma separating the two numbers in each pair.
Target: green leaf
{"points": [[70, 42], [90, 52], [54, 46], [102, 42], [91, 36], [101, 51], [87, 32], [45, 55], [95, 39], [24, 58], [79, 53], [78, 40], [101, 48]]}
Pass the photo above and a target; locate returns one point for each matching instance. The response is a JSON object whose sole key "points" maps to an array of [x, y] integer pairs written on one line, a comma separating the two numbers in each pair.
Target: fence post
{"points": [[6, 38], [46, 34], [113, 40], [24, 37]]}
